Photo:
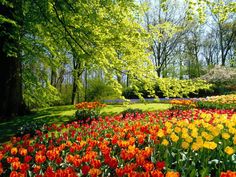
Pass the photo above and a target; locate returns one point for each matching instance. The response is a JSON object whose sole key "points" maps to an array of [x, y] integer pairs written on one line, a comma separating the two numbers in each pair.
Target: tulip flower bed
{"points": [[87, 111], [183, 104], [218, 102], [222, 99], [171, 143]]}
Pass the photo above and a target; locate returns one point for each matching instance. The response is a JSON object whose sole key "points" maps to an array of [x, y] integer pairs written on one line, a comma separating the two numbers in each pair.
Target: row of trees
{"points": [[53, 50], [185, 49]]}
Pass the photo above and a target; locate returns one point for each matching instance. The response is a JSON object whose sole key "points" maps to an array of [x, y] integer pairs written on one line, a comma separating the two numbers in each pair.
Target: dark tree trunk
{"points": [[127, 81], [86, 85], [74, 89], [60, 79], [10, 64], [158, 72], [53, 78]]}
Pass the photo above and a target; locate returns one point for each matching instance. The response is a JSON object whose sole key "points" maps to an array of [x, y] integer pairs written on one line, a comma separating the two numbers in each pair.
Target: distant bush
{"points": [[224, 79], [128, 93], [221, 75], [37, 95], [172, 88], [99, 90]]}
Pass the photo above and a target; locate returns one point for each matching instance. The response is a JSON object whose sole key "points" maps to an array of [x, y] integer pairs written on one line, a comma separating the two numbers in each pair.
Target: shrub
{"points": [[224, 79], [174, 88], [30, 127], [99, 90], [86, 116]]}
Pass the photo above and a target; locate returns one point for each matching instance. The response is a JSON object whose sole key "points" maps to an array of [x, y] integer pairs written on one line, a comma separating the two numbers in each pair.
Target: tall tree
{"points": [[11, 99], [165, 25], [53, 31], [192, 49], [223, 14]]}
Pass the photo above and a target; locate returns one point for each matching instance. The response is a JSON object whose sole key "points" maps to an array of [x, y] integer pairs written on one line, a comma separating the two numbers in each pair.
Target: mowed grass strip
{"points": [[63, 114]]}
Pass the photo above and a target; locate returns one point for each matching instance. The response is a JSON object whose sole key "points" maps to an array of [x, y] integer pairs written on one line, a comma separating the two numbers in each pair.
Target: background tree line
{"points": [[65, 51]]}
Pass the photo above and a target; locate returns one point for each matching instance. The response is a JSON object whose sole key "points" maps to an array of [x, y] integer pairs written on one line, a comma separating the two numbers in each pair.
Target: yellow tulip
{"points": [[177, 129], [165, 142], [220, 126], [174, 137], [209, 145], [189, 139], [196, 146], [225, 136], [229, 150], [194, 133], [160, 133], [185, 145]]}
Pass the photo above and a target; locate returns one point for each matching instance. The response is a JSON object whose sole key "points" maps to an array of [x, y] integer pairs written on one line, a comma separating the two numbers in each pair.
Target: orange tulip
{"points": [[23, 151], [14, 151], [172, 174], [40, 158], [15, 165], [94, 172]]}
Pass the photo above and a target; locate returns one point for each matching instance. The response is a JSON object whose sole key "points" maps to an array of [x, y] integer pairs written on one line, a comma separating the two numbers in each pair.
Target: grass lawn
{"points": [[62, 114], [115, 109]]}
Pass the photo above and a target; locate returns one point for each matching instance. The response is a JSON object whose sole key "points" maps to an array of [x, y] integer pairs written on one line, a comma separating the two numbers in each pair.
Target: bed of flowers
{"points": [[222, 99], [171, 143], [88, 111], [183, 103], [218, 102], [212, 102]]}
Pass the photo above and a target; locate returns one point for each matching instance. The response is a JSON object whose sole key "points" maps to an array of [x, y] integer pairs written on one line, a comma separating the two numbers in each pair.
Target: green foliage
{"points": [[196, 9], [6, 20], [85, 35], [180, 88], [181, 107], [65, 92], [131, 92], [37, 94], [99, 90], [168, 87]]}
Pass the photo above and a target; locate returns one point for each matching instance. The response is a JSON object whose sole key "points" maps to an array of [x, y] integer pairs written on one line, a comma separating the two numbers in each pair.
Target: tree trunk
{"points": [[53, 78], [127, 80], [86, 85], [11, 86], [74, 89], [10, 64], [221, 46]]}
